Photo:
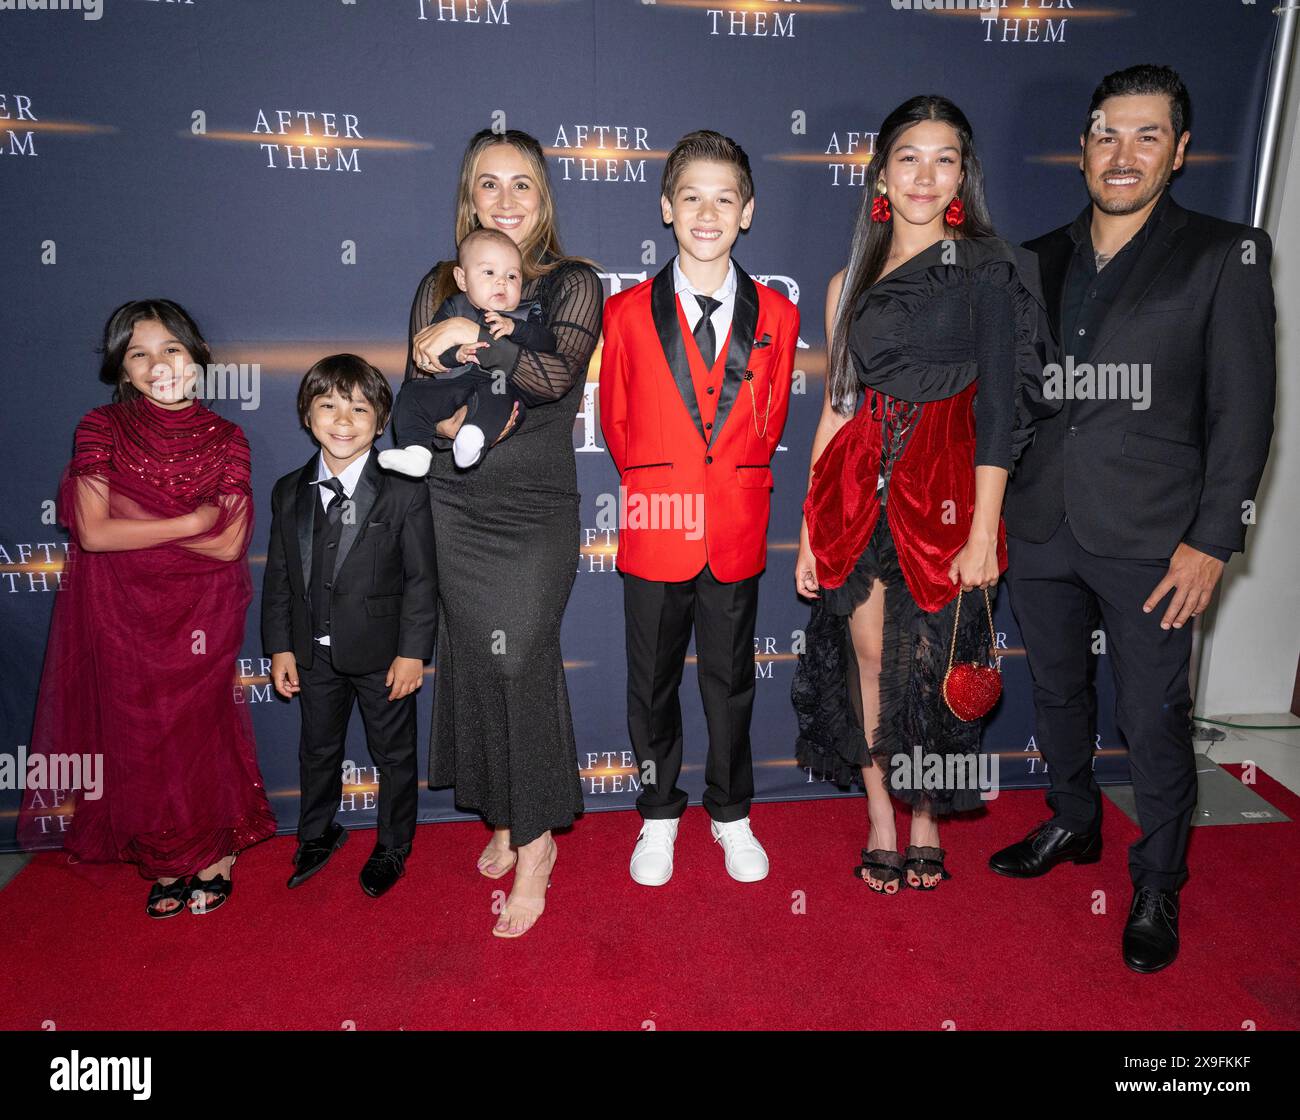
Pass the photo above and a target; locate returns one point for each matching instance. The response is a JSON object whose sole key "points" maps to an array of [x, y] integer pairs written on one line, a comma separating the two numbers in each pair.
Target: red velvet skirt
{"points": [[930, 496], [906, 545]]}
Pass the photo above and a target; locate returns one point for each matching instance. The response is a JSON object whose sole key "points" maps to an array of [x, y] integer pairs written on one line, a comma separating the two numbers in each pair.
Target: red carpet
{"points": [[703, 952]]}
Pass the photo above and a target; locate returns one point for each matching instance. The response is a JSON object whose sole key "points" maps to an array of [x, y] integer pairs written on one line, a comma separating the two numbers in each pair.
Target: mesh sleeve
{"points": [[573, 311]]}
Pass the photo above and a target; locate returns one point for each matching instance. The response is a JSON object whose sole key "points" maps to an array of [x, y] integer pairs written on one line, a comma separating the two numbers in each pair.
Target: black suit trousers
{"points": [[326, 700], [1059, 593], [660, 617]]}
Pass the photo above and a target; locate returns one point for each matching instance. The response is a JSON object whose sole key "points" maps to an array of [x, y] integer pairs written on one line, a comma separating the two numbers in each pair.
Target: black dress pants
{"points": [[325, 700], [660, 617], [1059, 592], [424, 402]]}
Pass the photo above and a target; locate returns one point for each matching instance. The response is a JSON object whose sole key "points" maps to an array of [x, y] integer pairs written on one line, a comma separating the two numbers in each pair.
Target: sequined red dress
{"points": [[140, 664]]}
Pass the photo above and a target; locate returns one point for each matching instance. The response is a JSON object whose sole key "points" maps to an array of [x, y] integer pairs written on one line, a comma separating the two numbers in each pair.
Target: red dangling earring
{"points": [[956, 213], [880, 211]]}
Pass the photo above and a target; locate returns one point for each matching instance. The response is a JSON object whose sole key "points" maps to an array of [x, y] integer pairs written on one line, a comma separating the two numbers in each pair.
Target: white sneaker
{"points": [[413, 460], [746, 860], [467, 447], [652, 859]]}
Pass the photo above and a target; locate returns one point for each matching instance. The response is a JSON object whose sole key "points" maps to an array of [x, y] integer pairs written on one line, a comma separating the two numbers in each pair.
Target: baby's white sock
{"points": [[413, 460], [468, 445]]}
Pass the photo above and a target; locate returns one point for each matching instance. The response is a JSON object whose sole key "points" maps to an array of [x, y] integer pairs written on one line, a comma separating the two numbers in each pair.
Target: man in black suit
{"points": [[349, 612], [1133, 497]]}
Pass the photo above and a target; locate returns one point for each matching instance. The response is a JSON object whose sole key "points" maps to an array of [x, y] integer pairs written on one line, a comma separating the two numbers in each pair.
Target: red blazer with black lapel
{"points": [[693, 493]]}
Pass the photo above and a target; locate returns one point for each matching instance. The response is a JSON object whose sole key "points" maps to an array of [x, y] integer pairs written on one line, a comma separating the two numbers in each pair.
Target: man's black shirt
{"points": [[1088, 294]]}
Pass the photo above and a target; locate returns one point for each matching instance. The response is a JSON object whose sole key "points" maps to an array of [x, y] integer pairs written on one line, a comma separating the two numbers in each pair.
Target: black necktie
{"points": [[334, 506], [704, 336]]}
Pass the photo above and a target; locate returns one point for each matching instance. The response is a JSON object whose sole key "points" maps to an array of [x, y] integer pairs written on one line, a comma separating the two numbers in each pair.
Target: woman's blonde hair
{"points": [[540, 249]]}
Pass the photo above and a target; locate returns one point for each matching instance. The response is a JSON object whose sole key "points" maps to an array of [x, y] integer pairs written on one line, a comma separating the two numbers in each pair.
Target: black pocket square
{"points": [[766, 340]]}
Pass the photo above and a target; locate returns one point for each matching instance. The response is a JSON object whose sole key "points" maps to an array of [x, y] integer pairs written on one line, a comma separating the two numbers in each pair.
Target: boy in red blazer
{"points": [[694, 389]]}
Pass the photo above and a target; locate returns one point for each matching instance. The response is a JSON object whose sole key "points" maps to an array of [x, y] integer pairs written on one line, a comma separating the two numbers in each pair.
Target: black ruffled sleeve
{"points": [[1035, 348], [956, 312], [994, 322], [1013, 342]]}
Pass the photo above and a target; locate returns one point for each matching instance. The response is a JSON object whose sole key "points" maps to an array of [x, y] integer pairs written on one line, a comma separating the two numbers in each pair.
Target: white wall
{"points": [[1253, 639]]}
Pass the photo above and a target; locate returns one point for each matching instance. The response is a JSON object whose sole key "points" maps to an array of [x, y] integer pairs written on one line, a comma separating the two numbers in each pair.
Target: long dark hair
{"points": [[872, 240], [121, 325], [541, 250]]}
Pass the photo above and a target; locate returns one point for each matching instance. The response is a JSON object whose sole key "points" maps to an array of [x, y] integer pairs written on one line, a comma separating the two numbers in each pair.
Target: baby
{"points": [[489, 273]]}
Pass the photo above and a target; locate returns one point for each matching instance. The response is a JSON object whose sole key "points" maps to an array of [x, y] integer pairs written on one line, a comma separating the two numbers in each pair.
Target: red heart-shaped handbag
{"points": [[970, 689]]}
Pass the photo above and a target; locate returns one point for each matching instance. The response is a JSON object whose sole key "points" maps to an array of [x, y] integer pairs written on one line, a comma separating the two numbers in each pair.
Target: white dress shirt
{"points": [[721, 316], [350, 477]]}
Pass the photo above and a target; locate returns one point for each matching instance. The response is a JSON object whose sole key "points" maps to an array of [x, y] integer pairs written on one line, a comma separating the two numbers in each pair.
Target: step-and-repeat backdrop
{"points": [[286, 171]]}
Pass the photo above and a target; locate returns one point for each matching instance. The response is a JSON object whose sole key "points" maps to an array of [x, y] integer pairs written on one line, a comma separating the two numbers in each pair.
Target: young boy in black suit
{"points": [[349, 612]]}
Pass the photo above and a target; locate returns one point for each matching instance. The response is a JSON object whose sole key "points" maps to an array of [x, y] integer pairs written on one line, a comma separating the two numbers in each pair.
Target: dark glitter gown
{"points": [[507, 536], [950, 358]]}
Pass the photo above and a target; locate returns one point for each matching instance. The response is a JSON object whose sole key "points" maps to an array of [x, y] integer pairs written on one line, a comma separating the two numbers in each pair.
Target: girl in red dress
{"points": [[148, 623], [939, 326]]}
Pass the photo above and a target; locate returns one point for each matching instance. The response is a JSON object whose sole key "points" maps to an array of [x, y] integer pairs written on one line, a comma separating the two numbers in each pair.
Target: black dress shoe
{"points": [[312, 855], [384, 867], [1151, 936], [1043, 849]]}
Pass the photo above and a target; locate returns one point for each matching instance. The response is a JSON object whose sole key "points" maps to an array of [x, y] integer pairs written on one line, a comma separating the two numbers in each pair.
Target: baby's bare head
{"points": [[490, 270]]}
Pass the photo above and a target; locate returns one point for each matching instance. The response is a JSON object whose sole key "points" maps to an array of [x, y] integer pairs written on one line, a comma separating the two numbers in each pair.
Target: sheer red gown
{"points": [[140, 663]]}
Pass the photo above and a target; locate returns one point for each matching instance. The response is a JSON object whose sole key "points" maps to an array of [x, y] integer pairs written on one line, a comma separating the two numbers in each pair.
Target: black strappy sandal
{"points": [[219, 886], [925, 861], [168, 892], [881, 859]]}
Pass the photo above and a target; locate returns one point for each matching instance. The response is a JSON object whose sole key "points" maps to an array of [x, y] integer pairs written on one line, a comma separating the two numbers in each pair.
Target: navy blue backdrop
{"points": [[286, 172]]}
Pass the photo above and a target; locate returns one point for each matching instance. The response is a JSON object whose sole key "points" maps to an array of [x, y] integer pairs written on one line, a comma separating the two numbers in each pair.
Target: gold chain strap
{"points": [[993, 634], [753, 400]]}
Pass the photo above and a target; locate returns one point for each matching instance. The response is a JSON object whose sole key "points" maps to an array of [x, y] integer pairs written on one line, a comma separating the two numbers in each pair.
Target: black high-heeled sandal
{"points": [[175, 891], [926, 861], [219, 885], [880, 859]]}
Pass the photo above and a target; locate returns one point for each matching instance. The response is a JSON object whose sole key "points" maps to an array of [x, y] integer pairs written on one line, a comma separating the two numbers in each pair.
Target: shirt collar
{"points": [[350, 476], [724, 293], [1081, 227]]}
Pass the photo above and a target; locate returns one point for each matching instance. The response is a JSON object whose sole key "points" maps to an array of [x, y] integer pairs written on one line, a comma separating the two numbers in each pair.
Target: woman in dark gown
{"points": [[148, 623], [940, 326], [507, 541]]}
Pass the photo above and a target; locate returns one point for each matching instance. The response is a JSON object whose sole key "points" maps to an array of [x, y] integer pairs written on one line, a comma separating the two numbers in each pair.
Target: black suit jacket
{"points": [[1197, 306], [384, 602]]}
